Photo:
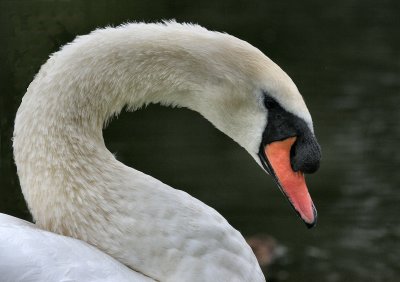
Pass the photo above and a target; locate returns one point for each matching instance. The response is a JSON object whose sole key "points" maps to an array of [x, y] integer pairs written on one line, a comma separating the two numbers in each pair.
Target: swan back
{"points": [[44, 256]]}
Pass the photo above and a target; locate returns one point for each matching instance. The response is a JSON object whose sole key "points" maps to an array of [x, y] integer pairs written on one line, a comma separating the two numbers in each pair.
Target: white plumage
{"points": [[74, 186], [28, 253]]}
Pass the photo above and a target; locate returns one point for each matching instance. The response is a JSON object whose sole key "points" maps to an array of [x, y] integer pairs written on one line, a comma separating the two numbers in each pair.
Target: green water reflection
{"points": [[345, 58]]}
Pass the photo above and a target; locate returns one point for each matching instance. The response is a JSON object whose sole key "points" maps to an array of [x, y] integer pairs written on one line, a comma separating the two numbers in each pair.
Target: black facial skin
{"points": [[305, 154]]}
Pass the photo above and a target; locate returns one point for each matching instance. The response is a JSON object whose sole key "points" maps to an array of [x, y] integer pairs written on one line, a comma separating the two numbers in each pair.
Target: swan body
{"points": [[46, 256], [75, 187]]}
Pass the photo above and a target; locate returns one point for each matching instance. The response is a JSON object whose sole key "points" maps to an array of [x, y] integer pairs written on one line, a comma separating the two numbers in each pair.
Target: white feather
{"points": [[74, 186], [28, 253]]}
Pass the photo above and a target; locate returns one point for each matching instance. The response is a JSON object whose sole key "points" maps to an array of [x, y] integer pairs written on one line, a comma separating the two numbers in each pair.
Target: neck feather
{"points": [[74, 186]]}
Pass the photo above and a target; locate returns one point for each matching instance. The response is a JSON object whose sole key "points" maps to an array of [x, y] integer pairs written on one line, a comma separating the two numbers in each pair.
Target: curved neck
{"points": [[74, 186], [65, 108]]}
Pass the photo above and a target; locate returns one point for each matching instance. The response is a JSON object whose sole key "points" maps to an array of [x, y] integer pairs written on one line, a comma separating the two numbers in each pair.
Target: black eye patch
{"points": [[269, 102], [306, 152]]}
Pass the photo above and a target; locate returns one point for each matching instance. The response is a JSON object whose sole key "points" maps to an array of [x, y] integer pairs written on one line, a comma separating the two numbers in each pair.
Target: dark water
{"points": [[345, 58]]}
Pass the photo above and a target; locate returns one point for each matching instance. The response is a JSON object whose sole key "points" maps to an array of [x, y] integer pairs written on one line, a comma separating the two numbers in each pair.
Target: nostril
{"points": [[293, 159]]}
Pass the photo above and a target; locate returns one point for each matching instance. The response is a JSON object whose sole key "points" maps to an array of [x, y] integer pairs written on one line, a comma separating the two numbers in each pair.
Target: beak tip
{"points": [[313, 223]]}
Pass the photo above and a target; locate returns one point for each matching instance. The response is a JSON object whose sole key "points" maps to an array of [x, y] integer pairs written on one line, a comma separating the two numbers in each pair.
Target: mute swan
{"points": [[74, 186]]}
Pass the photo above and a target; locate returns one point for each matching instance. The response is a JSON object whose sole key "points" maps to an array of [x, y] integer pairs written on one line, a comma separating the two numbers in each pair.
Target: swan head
{"points": [[288, 150], [252, 100]]}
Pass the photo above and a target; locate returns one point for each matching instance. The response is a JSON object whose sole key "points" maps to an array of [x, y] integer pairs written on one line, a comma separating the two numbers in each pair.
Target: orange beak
{"points": [[291, 183]]}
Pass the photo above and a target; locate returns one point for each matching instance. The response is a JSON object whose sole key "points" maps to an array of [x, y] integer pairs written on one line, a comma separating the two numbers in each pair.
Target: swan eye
{"points": [[269, 102]]}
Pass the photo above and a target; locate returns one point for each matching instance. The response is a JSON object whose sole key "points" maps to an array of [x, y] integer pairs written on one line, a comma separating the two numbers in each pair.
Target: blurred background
{"points": [[344, 56]]}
